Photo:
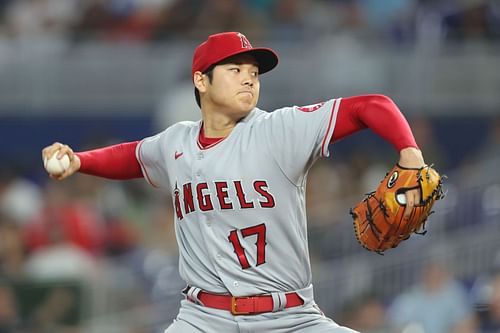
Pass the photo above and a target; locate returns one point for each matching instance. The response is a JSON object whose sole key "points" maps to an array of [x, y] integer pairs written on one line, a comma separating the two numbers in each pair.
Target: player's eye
{"points": [[234, 69]]}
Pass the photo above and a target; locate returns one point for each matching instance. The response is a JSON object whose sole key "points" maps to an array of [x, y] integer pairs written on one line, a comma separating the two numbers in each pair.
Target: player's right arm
{"points": [[112, 162]]}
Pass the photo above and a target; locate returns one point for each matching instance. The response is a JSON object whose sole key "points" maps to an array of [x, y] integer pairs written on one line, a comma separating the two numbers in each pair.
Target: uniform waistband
{"points": [[252, 304]]}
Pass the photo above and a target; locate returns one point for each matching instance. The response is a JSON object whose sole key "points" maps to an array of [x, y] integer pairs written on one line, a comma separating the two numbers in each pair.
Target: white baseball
{"points": [[56, 166], [401, 198]]}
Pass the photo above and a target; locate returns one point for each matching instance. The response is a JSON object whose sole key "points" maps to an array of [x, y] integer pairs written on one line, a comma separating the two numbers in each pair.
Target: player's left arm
{"points": [[381, 115]]}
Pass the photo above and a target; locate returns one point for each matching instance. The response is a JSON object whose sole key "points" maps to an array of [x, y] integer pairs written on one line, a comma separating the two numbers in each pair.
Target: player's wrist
{"points": [[411, 157], [77, 163]]}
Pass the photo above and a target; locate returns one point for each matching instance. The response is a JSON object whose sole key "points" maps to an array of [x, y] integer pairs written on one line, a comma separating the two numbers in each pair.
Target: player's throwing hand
{"points": [[60, 150]]}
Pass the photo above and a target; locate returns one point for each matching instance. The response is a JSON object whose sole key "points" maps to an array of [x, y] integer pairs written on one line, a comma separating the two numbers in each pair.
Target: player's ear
{"points": [[199, 81]]}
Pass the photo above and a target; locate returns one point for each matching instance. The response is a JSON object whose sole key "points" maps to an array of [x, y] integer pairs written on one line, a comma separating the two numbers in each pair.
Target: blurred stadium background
{"points": [[89, 255]]}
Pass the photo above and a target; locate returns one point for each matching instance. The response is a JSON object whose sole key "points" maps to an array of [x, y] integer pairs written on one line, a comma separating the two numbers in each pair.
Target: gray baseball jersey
{"points": [[240, 215]]}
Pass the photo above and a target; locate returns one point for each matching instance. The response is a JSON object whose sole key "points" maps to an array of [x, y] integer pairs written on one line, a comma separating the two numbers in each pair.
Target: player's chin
{"points": [[246, 104]]}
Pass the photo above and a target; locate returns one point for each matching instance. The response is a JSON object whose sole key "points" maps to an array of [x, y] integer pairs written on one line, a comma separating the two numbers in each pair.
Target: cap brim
{"points": [[266, 58]]}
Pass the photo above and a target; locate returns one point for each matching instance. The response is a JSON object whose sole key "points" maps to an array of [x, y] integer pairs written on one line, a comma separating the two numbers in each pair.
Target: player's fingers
{"points": [[60, 149], [62, 176], [65, 150], [417, 197], [410, 203], [412, 199], [49, 151], [74, 166]]}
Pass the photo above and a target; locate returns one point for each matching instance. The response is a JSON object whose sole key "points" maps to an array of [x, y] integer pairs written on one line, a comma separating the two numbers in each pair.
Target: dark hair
{"points": [[210, 74]]}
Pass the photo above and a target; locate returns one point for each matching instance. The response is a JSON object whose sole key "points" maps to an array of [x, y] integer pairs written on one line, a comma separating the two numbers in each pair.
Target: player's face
{"points": [[235, 85]]}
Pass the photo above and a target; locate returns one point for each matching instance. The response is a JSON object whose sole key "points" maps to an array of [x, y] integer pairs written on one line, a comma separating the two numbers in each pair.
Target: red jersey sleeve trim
{"points": [[141, 163], [331, 127]]}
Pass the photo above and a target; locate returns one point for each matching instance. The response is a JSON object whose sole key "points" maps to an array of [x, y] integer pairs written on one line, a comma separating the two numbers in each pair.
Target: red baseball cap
{"points": [[226, 44]]}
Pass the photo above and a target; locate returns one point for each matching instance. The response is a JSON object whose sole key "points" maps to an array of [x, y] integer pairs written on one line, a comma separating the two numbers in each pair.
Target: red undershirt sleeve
{"points": [[113, 162], [377, 112]]}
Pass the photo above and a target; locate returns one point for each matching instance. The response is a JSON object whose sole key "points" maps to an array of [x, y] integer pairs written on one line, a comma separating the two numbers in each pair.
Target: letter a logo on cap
{"points": [[245, 43]]}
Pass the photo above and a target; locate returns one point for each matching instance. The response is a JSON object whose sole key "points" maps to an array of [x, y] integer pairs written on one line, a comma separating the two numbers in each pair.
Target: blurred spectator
{"points": [[437, 303], [65, 218], [365, 314], [260, 7], [392, 20], [94, 23], [33, 19], [472, 20], [20, 199], [136, 24], [225, 15], [489, 317], [161, 262], [326, 183], [152, 20], [329, 189], [286, 20], [380, 14], [52, 314], [121, 20], [61, 260], [176, 19], [126, 215], [350, 18], [485, 294], [12, 252], [9, 314]]}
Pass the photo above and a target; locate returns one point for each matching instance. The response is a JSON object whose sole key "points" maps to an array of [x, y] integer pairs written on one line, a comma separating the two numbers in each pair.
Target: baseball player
{"points": [[238, 179]]}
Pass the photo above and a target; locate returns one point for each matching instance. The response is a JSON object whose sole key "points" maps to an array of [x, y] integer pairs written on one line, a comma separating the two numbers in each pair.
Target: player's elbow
{"points": [[380, 102], [379, 99]]}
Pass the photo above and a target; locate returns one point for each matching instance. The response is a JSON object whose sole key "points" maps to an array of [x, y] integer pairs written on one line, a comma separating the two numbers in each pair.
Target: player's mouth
{"points": [[245, 92]]}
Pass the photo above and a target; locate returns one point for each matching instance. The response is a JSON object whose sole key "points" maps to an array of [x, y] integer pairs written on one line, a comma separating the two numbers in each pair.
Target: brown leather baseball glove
{"points": [[378, 219]]}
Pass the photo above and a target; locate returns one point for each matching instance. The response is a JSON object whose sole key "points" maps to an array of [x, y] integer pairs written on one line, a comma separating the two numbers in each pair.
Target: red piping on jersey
{"points": [[329, 126], [204, 142], [142, 165]]}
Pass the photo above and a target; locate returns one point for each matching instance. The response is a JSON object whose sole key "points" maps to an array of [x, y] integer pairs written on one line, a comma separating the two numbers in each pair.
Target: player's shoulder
{"points": [[262, 115], [255, 114], [285, 111], [175, 131], [182, 127]]}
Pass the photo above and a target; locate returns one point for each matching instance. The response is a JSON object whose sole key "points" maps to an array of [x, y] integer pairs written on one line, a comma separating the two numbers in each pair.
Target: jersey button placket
{"points": [[199, 157]]}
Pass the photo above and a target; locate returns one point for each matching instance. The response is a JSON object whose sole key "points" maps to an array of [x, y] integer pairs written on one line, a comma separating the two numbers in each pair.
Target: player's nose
{"points": [[248, 80], [247, 77]]}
